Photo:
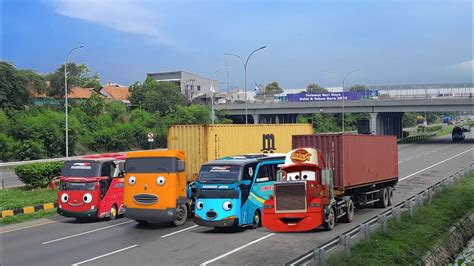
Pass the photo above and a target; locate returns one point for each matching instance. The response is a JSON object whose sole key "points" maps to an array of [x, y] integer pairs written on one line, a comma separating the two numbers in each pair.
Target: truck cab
{"points": [[230, 191], [155, 187], [92, 187]]}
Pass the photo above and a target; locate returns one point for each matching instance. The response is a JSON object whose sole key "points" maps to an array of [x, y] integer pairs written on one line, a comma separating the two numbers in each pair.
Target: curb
{"points": [[28, 209]]}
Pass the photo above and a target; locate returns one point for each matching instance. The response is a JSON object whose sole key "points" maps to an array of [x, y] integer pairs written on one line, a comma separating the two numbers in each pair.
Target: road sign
{"points": [[150, 137]]}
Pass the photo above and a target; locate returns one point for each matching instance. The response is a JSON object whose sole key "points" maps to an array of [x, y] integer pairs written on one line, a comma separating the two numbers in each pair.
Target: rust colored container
{"points": [[357, 160], [202, 143]]}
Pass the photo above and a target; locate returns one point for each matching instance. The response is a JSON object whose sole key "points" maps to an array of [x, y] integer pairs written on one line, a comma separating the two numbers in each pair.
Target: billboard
{"points": [[332, 96]]}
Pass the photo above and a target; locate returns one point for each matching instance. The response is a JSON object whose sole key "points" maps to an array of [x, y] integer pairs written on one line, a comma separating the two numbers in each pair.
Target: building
{"points": [[115, 92], [75, 95], [196, 88]]}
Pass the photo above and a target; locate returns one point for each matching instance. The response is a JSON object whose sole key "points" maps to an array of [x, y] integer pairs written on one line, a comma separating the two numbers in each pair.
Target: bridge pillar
{"points": [[256, 118], [374, 123]]}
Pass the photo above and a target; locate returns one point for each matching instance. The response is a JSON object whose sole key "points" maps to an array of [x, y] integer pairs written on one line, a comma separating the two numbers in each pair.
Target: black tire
{"points": [[182, 215], [257, 220], [113, 212], [390, 196], [141, 222], [329, 225], [383, 198], [347, 218]]}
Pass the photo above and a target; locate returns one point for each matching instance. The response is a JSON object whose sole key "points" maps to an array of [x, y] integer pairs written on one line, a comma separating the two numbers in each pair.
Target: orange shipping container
{"points": [[363, 160], [203, 143]]}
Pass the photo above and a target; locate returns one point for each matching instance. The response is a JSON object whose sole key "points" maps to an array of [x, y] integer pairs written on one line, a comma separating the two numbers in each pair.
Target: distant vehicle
{"points": [[445, 95], [457, 134], [92, 187], [447, 119], [466, 128]]}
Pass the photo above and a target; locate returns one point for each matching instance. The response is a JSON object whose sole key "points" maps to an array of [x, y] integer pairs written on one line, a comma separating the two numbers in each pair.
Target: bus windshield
{"points": [[81, 169], [150, 165], [220, 173]]}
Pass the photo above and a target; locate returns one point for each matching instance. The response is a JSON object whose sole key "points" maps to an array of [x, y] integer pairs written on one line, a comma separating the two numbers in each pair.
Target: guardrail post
{"points": [[346, 242], [407, 204], [398, 215], [411, 209], [320, 256], [3, 183], [422, 199], [430, 195], [382, 220]]}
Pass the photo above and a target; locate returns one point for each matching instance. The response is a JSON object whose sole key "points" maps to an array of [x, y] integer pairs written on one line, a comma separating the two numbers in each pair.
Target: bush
{"points": [[38, 175], [433, 128], [406, 134], [8, 147]]}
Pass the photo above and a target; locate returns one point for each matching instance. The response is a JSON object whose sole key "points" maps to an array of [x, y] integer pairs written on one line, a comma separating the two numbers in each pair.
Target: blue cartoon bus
{"points": [[230, 191]]}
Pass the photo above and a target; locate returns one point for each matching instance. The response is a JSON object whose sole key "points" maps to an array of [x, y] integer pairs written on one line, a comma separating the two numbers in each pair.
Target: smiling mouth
{"points": [[74, 205]]}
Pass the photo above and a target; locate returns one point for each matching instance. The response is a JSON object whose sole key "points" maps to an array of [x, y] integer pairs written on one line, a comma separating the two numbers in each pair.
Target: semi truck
{"points": [[325, 177], [92, 187]]}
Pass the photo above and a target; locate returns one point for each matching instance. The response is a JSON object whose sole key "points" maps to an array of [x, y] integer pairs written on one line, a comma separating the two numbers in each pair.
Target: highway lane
{"points": [[198, 244]]}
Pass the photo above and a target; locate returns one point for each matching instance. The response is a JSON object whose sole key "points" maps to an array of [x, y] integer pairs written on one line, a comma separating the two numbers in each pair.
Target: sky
{"points": [[389, 41]]}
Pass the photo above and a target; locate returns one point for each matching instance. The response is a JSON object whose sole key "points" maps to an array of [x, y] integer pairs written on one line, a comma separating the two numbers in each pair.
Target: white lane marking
{"points": [[182, 230], [105, 255], [237, 249], [87, 232], [34, 225], [438, 163]]}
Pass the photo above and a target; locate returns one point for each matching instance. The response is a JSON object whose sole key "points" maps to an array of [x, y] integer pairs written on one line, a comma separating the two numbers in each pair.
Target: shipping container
{"points": [[202, 143], [357, 160]]}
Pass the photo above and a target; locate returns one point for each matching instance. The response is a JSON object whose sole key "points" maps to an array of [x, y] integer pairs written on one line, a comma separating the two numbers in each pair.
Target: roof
{"points": [[74, 93], [178, 72], [156, 153], [116, 92]]}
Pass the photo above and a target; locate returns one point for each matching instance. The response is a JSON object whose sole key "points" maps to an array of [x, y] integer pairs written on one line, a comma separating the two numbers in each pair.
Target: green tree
{"points": [[358, 87], [153, 96], [315, 88], [16, 86], [78, 75], [94, 106], [273, 88], [193, 114]]}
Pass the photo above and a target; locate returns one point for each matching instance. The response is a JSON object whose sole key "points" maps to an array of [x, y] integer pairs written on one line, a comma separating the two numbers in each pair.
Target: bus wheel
{"points": [[390, 196], [257, 220], [113, 212], [347, 218], [182, 215], [329, 225]]}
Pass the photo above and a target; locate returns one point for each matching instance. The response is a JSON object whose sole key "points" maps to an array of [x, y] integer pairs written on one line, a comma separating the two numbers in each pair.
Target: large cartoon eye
{"points": [[199, 205], [160, 181], [87, 198], [132, 180], [64, 197], [227, 206]]}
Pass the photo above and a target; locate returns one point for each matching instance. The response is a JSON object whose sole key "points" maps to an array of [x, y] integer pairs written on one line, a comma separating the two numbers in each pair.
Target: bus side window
{"points": [[265, 173]]}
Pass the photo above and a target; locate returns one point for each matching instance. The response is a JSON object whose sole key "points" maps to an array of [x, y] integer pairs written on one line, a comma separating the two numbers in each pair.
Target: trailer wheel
{"points": [[383, 198], [347, 218], [329, 225], [182, 215], [390, 196]]}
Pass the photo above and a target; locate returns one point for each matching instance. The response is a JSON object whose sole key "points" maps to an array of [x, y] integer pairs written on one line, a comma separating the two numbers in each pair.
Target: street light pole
{"points": [[65, 95], [343, 78], [245, 76]]}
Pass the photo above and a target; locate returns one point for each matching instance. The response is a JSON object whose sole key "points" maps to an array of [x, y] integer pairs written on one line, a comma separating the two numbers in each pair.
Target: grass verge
{"points": [[446, 130], [408, 241], [26, 217], [13, 198]]}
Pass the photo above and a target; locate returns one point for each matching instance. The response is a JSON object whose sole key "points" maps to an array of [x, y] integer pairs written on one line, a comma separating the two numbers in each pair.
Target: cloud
{"points": [[464, 66], [121, 15]]}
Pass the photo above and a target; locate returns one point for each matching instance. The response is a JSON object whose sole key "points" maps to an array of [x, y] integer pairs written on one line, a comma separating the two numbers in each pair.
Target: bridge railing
{"points": [[319, 254], [417, 138]]}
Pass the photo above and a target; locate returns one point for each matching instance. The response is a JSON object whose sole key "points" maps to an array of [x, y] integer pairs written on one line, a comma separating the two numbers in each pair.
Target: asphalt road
{"points": [[61, 241]]}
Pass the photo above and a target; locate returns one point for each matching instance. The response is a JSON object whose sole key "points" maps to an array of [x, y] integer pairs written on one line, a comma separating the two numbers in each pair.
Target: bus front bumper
{"points": [[152, 215], [84, 214], [221, 223]]}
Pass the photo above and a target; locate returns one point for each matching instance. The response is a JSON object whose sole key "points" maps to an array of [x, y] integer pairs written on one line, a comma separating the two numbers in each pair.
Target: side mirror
{"points": [[180, 166]]}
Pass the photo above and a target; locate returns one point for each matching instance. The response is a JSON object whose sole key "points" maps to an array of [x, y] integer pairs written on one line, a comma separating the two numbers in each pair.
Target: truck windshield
{"points": [[220, 173], [77, 186], [150, 165], [81, 169]]}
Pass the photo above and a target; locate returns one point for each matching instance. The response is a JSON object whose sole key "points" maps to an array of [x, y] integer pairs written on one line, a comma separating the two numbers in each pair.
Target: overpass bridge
{"points": [[385, 114]]}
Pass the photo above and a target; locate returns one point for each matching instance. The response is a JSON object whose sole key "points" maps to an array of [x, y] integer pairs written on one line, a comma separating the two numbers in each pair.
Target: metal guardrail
{"points": [[417, 138], [319, 254]]}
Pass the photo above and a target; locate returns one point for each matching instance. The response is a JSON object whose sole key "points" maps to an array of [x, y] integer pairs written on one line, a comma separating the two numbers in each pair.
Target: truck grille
{"points": [[145, 198], [290, 197]]}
